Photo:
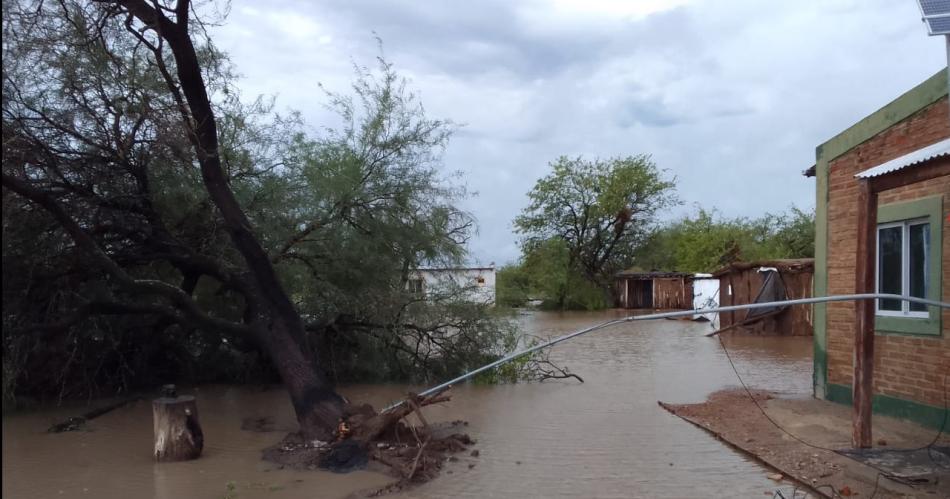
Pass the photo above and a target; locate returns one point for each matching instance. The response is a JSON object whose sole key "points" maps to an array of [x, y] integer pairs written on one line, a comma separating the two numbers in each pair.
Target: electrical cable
{"points": [[881, 473], [666, 315], [687, 313]]}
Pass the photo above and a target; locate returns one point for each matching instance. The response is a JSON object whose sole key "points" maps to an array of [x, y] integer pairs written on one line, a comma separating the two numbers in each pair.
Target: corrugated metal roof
{"points": [[654, 274], [932, 151], [791, 265]]}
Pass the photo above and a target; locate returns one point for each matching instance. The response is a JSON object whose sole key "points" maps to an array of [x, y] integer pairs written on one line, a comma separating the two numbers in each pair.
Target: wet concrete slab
{"points": [[808, 441]]}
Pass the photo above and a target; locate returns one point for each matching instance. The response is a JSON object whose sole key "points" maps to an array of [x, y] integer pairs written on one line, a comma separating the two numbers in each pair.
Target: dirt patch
{"points": [[734, 418]]}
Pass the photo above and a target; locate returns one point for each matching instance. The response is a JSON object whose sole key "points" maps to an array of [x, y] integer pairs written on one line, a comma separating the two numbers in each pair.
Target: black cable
{"points": [[756, 402], [881, 473]]}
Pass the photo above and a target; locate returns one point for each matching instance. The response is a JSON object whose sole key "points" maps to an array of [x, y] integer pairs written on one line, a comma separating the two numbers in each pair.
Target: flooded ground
{"points": [[603, 438]]}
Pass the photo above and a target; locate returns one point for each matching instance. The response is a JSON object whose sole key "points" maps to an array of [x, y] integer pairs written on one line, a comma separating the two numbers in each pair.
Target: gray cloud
{"points": [[731, 96]]}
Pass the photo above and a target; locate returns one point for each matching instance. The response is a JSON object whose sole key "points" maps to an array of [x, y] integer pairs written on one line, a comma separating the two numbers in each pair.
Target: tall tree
{"points": [[105, 106], [599, 208]]}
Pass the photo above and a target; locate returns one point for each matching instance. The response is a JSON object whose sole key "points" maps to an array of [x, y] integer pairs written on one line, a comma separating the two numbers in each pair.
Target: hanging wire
{"points": [[694, 312], [668, 315]]}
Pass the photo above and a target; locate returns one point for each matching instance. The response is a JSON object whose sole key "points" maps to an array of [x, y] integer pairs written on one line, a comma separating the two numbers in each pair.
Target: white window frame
{"points": [[416, 282], [905, 226]]}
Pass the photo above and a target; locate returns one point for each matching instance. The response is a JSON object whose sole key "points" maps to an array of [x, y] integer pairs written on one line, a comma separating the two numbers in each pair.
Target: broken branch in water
{"points": [[545, 369], [415, 462], [538, 367], [75, 423]]}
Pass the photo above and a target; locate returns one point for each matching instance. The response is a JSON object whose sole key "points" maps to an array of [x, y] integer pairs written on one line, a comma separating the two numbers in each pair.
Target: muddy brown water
{"points": [[604, 438]]}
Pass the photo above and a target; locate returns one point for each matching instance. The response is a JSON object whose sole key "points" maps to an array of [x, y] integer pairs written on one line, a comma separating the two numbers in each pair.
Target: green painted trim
{"points": [[912, 101], [820, 279], [908, 326], [922, 414], [931, 208]]}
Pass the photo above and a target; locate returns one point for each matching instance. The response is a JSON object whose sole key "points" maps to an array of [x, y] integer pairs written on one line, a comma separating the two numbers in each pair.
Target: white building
{"points": [[476, 284]]}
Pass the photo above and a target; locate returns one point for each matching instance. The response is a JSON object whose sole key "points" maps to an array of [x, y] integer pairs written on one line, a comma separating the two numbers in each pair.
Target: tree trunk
{"points": [[316, 404], [178, 435]]}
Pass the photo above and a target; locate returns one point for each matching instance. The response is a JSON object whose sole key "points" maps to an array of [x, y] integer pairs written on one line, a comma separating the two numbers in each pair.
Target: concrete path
{"points": [[814, 450]]}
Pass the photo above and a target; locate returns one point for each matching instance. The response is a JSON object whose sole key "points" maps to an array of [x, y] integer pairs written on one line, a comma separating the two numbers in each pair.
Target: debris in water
{"points": [[775, 476], [77, 423]]}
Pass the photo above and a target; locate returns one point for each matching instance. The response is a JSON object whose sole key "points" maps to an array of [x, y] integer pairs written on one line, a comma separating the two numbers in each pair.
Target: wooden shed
{"points": [[654, 290], [769, 280]]}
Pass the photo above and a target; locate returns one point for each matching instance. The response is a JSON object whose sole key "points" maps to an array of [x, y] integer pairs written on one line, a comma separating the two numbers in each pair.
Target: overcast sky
{"points": [[730, 96]]}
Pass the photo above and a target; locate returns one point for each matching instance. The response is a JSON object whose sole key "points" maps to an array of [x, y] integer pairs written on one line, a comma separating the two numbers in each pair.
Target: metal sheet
{"points": [[932, 151]]}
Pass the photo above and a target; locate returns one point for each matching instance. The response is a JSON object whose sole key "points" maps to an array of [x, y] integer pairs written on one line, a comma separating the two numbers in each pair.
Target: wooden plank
{"points": [[865, 260]]}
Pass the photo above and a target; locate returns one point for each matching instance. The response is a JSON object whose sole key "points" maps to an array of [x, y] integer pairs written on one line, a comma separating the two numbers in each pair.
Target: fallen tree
{"points": [[412, 453], [97, 144], [164, 206], [152, 211]]}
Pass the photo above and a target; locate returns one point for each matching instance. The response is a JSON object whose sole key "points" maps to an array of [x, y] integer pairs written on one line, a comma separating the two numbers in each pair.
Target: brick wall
{"points": [[906, 367]]}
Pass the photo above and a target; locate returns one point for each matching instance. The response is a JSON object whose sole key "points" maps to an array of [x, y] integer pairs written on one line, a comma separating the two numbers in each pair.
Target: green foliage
{"points": [[583, 222], [511, 371], [707, 241], [512, 286], [344, 215], [544, 274]]}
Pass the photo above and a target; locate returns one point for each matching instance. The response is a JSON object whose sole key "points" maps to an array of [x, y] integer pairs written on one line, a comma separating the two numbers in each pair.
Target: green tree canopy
{"points": [[159, 228], [598, 210], [706, 241]]}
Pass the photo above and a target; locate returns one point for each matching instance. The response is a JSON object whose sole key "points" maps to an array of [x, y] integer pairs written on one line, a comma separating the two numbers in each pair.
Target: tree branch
{"points": [[85, 242], [193, 87]]}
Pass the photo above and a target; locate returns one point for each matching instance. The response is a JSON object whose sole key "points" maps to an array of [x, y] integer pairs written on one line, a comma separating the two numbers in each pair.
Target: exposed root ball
{"points": [[413, 454]]}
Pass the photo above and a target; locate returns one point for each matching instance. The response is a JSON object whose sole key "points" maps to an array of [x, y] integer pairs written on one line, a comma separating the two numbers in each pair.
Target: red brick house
{"points": [[903, 150]]}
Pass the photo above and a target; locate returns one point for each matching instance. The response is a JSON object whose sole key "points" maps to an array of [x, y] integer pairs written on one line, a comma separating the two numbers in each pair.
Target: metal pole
{"points": [[670, 315]]}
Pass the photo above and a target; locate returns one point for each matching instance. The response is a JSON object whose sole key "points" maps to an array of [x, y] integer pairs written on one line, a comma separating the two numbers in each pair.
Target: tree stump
{"points": [[178, 435]]}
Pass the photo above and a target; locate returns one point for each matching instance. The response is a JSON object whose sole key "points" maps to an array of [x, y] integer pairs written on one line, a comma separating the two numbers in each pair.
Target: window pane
{"points": [[919, 239], [889, 266]]}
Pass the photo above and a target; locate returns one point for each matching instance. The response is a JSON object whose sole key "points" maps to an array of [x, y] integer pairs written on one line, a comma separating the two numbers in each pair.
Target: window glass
{"points": [[889, 265], [918, 258]]}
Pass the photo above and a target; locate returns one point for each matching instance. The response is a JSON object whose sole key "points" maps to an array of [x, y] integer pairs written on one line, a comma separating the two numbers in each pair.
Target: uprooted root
{"points": [[413, 454]]}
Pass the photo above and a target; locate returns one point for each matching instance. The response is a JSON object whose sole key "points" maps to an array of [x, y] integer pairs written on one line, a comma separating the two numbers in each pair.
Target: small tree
{"points": [[599, 209]]}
